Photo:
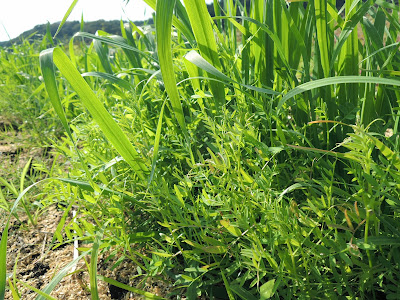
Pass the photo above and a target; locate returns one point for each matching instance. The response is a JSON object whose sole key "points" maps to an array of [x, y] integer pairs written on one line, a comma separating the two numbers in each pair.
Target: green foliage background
{"points": [[251, 156]]}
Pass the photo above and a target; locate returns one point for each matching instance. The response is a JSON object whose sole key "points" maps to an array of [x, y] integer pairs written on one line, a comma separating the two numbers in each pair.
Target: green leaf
{"points": [[179, 23], [214, 249], [200, 62], [104, 190], [233, 230], [140, 237], [112, 78], [110, 128], [387, 152], [115, 41], [23, 174], [57, 233], [3, 262], [156, 143], [41, 293], [93, 263], [201, 25], [164, 15], [242, 293], [129, 288], [71, 7], [322, 34], [267, 289], [227, 286], [334, 80], [374, 241], [60, 275]]}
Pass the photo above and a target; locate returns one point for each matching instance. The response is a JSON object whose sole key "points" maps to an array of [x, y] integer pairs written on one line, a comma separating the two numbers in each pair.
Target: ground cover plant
{"points": [[251, 155]]}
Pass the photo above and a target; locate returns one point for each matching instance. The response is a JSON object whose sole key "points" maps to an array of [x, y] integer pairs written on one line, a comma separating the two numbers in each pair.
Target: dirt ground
{"points": [[29, 251]]}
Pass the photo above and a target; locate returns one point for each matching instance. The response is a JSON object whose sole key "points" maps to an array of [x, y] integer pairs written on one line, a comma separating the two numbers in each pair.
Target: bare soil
{"points": [[30, 253], [36, 264]]}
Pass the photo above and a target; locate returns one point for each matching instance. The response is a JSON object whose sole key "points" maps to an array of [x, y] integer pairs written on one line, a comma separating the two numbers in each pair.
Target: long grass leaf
{"points": [[103, 54], [334, 80], [60, 275], [201, 24], [164, 15], [227, 286], [157, 143], [107, 124], [104, 190], [23, 174], [348, 29], [70, 9], [200, 62], [242, 292], [115, 42], [274, 37], [9, 185], [93, 264], [3, 262], [110, 77], [129, 288], [13, 290], [182, 26], [41, 293], [322, 35]]}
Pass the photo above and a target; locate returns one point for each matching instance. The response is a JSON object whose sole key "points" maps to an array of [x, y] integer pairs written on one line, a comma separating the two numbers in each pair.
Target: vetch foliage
{"points": [[240, 156]]}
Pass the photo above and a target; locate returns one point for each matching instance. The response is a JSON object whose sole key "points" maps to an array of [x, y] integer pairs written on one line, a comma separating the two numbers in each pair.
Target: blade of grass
{"points": [[60, 275], [182, 26], [242, 293], [164, 15], [112, 78], [156, 143], [23, 174], [47, 67], [200, 62], [348, 29], [106, 191], [274, 37], [41, 293], [201, 25], [57, 233], [107, 124], [14, 292], [93, 263], [102, 53], [129, 288], [115, 42], [70, 9], [3, 262], [334, 80], [4, 237], [227, 286], [22, 181], [322, 35], [9, 185]]}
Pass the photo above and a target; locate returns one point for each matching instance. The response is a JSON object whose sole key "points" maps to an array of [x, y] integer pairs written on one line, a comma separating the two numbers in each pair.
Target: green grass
{"points": [[252, 156]]}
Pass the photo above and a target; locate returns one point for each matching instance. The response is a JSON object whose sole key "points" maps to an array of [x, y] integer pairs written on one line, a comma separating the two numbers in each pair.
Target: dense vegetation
{"points": [[250, 156]]}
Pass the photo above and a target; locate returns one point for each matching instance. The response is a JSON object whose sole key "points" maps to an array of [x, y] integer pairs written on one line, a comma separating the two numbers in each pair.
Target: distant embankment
{"points": [[70, 28]]}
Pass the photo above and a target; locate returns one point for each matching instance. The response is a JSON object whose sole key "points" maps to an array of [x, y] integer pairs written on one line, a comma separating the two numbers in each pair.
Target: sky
{"points": [[17, 16]]}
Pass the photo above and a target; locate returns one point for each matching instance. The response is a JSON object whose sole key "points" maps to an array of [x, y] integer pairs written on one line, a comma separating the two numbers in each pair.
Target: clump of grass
{"points": [[245, 167]]}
